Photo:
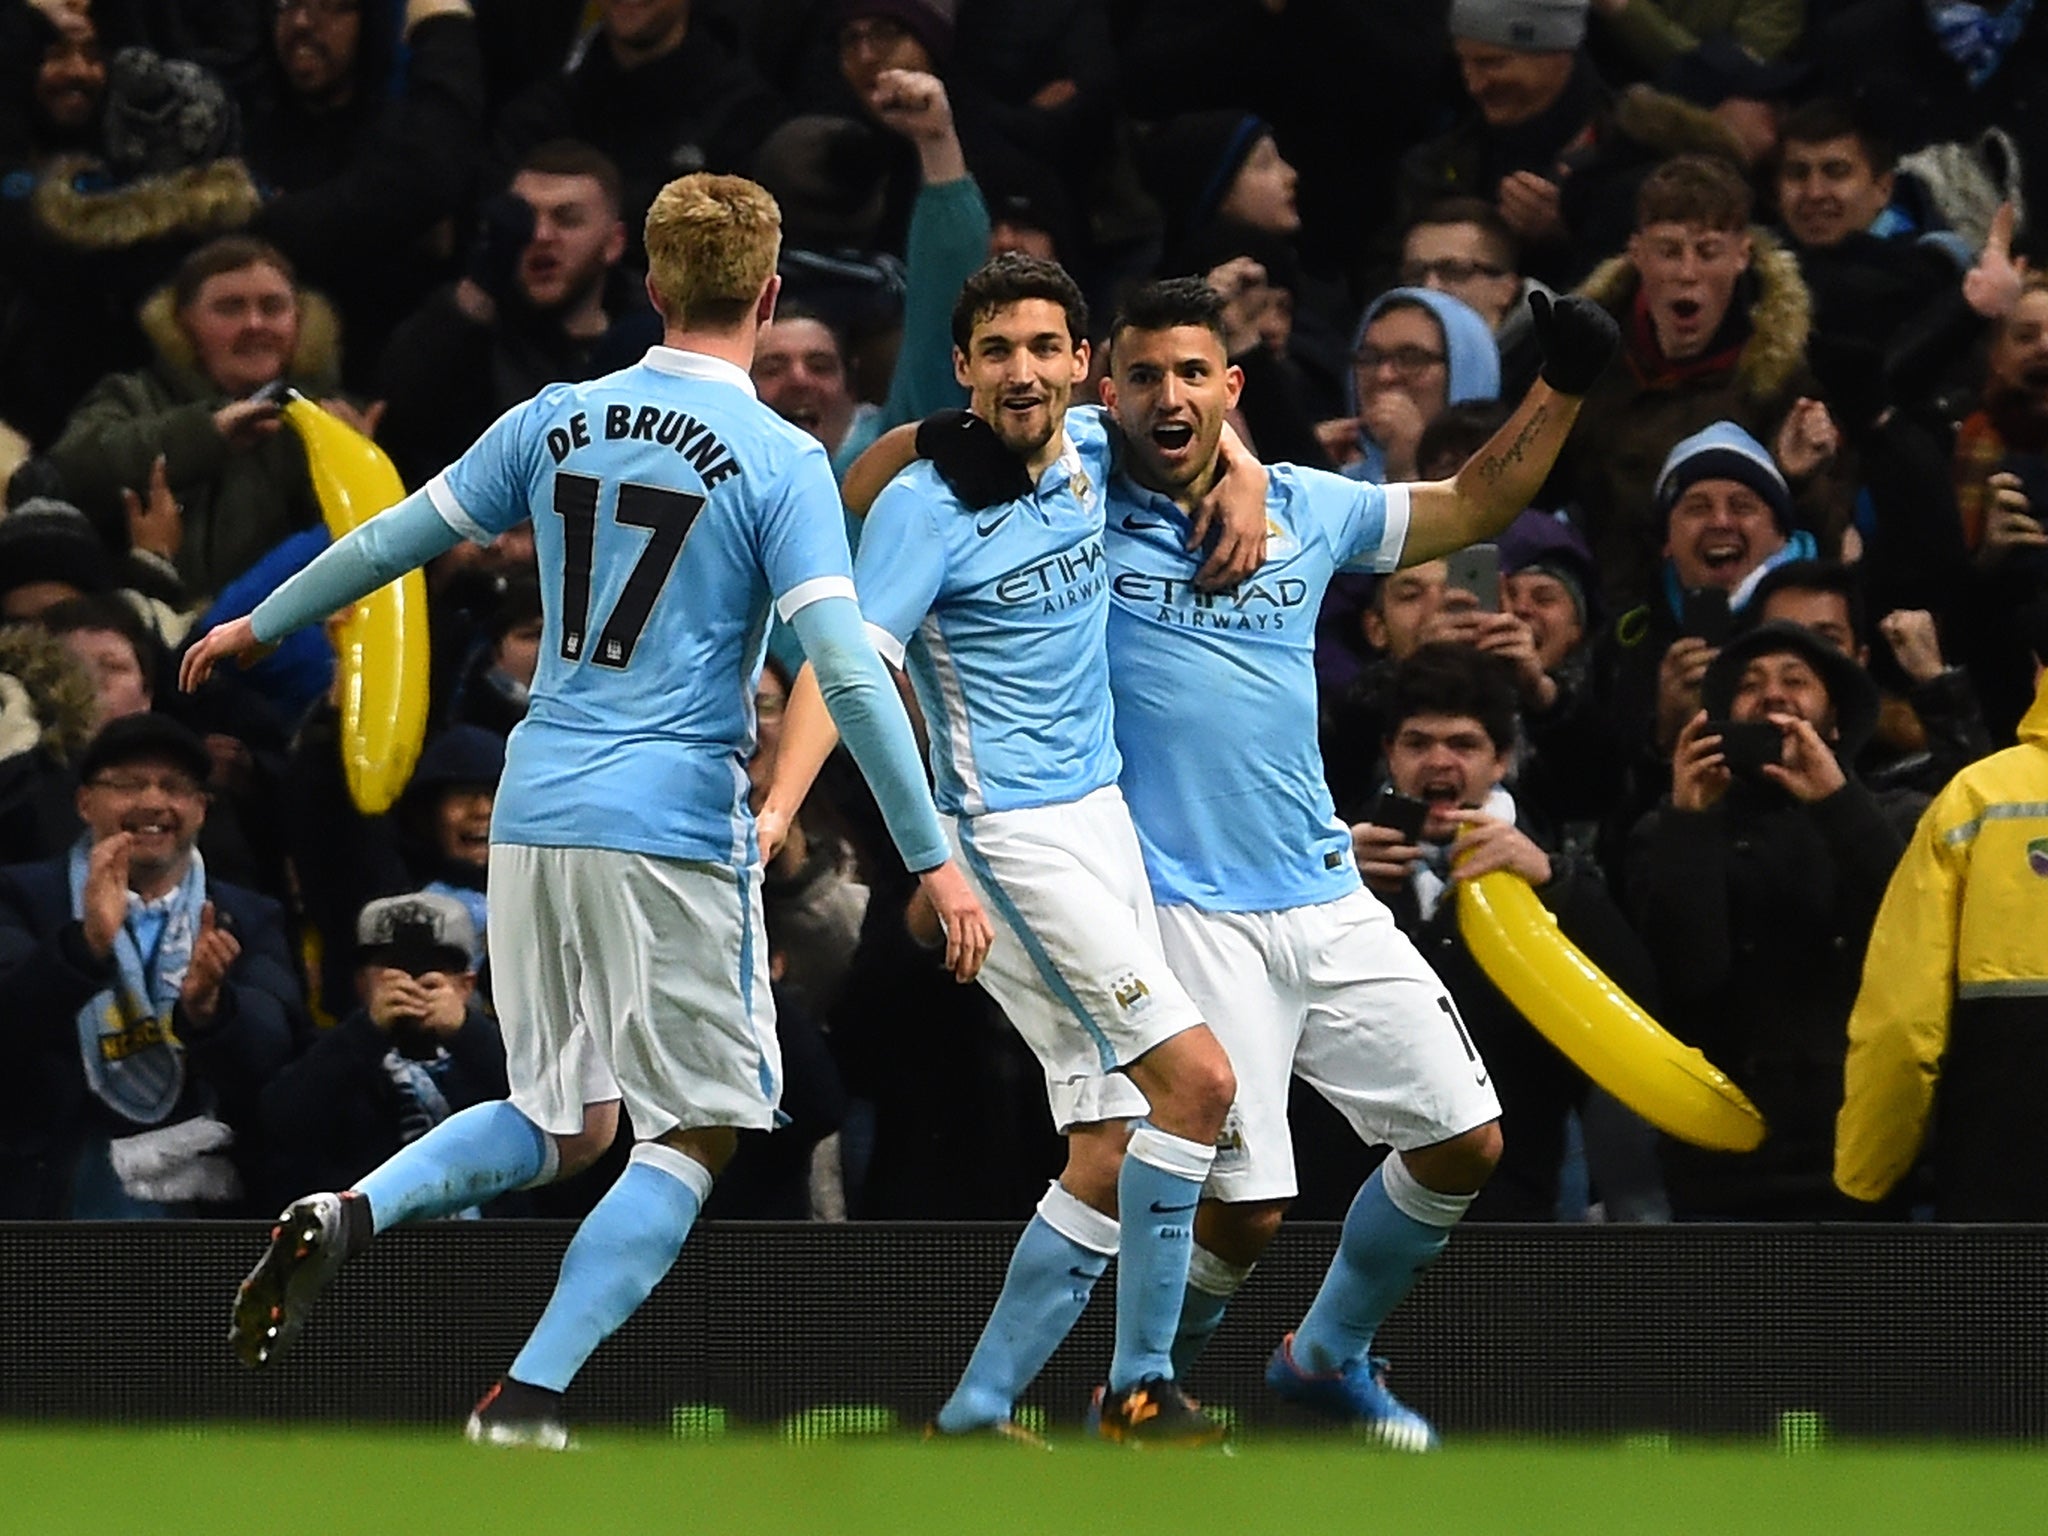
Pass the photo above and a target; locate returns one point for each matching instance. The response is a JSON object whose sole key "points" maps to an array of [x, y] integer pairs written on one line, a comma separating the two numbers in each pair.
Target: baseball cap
{"points": [[422, 931]]}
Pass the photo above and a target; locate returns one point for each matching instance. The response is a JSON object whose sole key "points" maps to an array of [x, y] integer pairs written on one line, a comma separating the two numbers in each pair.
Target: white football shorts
{"points": [[1337, 995], [628, 976], [1076, 963]]}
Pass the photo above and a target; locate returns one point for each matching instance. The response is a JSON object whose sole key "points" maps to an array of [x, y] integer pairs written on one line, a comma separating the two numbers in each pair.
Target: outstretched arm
{"points": [[1498, 482], [377, 552]]}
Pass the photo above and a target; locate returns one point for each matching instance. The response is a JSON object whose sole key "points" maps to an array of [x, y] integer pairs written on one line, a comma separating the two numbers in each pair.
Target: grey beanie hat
{"points": [[1527, 26], [165, 115]]}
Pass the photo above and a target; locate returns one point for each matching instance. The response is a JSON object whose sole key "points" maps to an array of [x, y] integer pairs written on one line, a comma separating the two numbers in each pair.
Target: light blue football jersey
{"points": [[1216, 692], [669, 508], [998, 617]]}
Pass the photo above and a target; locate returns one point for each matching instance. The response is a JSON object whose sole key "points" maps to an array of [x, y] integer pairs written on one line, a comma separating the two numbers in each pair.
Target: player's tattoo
{"points": [[1494, 466]]}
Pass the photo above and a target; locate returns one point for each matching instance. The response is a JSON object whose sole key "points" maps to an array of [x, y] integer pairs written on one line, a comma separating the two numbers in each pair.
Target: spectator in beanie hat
{"points": [[151, 1000], [1547, 582], [49, 554], [1222, 164], [1533, 94], [1724, 512]]}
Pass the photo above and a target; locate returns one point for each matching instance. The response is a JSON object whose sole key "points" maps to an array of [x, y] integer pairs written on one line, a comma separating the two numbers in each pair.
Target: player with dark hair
{"points": [[671, 511], [1299, 970], [981, 573]]}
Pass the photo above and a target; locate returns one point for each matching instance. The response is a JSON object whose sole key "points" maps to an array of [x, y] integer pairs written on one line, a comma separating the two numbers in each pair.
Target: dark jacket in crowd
{"points": [[355, 196], [1472, 159], [1297, 67], [336, 1112], [1757, 913], [48, 1114], [79, 253], [699, 108]]}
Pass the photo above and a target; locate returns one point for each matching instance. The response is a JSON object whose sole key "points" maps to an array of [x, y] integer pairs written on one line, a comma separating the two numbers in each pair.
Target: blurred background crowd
{"points": [[1813, 485]]}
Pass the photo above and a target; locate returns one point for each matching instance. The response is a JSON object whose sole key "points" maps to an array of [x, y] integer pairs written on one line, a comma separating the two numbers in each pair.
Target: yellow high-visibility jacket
{"points": [[1955, 991]]}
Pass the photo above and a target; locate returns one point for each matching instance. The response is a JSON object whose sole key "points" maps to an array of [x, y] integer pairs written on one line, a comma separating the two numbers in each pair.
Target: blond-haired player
{"points": [[671, 511]]}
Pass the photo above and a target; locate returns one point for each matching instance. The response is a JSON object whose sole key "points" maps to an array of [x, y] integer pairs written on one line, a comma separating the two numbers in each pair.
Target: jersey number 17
{"points": [[667, 514]]}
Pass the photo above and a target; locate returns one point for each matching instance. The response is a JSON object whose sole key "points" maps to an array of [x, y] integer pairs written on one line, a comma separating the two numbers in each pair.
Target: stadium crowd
{"points": [[1812, 487]]}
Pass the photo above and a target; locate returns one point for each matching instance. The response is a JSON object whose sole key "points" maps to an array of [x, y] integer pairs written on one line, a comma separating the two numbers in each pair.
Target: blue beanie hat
{"points": [[1723, 451]]}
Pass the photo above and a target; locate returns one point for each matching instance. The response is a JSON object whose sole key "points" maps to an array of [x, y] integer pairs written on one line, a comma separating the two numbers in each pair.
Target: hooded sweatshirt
{"points": [[1468, 345]]}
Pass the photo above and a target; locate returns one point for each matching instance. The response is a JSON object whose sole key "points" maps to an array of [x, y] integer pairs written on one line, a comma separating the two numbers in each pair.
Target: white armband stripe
{"points": [[453, 513], [805, 593]]}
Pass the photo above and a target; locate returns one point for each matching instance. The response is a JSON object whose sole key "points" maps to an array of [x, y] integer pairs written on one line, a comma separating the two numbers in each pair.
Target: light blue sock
{"points": [[1212, 1285], [1157, 1192], [1061, 1255], [1393, 1232], [467, 1159], [626, 1244]]}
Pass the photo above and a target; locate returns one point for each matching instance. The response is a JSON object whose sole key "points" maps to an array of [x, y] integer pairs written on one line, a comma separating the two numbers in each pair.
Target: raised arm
{"points": [[1498, 482]]}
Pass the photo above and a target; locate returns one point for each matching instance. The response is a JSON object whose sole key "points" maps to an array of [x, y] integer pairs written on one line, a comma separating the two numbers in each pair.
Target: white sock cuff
{"points": [[550, 1162], [1170, 1153], [680, 1166], [1416, 1200], [1078, 1221], [1217, 1277]]}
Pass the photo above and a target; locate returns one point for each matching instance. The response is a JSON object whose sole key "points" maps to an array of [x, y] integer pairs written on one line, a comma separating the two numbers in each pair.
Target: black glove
{"points": [[972, 459], [1578, 339], [504, 228]]}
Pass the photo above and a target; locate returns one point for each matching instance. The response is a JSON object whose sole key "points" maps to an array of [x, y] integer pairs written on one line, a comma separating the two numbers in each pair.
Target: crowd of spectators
{"points": [[1812, 489]]}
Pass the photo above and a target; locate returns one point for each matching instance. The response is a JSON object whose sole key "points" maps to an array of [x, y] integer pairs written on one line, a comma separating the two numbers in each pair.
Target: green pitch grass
{"points": [[223, 1482]]}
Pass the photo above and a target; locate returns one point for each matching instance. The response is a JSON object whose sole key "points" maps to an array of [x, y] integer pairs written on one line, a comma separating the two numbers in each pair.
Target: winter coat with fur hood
{"points": [[1637, 411], [238, 501], [79, 252]]}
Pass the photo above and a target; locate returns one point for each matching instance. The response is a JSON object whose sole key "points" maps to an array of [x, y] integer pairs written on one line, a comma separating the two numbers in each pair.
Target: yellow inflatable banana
{"points": [[1569, 999], [382, 645]]}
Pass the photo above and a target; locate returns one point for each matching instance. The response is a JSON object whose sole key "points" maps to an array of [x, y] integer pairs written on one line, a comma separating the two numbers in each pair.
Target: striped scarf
{"points": [[134, 1064]]}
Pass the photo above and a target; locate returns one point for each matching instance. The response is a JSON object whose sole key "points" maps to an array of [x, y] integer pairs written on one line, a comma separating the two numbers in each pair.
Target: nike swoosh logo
{"points": [[1135, 524], [1172, 1210], [985, 529]]}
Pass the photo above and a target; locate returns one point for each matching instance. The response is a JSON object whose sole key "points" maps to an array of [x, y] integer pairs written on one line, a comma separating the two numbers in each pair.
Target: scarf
{"points": [[134, 1064], [421, 1104], [1800, 545], [1430, 877], [1975, 38]]}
